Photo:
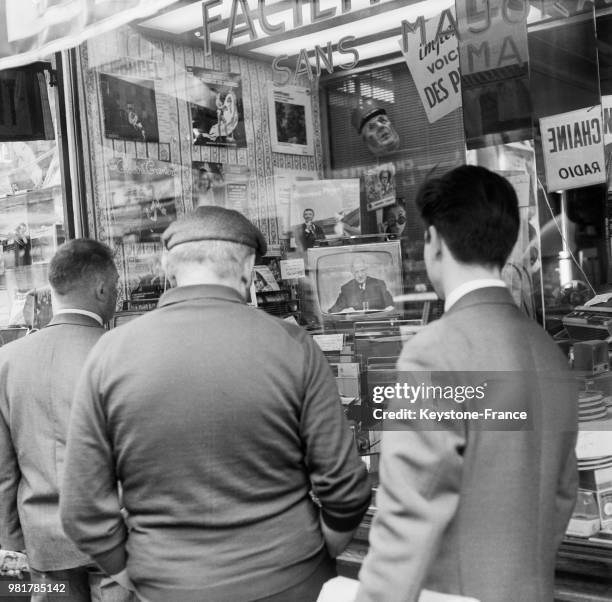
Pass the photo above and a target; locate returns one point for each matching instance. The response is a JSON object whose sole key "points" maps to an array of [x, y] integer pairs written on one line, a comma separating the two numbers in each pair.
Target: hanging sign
{"points": [[606, 108], [434, 66], [573, 149]]}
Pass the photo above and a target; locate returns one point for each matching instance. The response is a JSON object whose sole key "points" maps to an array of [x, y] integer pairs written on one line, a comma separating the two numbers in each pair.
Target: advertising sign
{"points": [[573, 149], [434, 67]]}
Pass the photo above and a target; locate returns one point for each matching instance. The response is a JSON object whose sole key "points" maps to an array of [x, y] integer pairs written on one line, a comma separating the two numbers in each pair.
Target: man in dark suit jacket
{"points": [[363, 292], [38, 375], [468, 506], [308, 233]]}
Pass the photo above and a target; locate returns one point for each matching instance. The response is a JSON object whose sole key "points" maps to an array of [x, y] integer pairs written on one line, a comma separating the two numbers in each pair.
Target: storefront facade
{"points": [[339, 108]]}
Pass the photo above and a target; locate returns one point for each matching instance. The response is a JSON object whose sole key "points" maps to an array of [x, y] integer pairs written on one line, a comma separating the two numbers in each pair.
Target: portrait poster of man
{"points": [[208, 183], [380, 186], [130, 111], [291, 127], [335, 204], [142, 198], [215, 103]]}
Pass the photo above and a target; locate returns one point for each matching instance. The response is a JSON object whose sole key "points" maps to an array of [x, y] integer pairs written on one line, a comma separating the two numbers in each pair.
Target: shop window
{"points": [[31, 193], [424, 148]]}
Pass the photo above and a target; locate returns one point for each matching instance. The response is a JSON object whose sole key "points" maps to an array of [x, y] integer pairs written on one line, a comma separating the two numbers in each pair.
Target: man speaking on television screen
{"points": [[362, 292]]}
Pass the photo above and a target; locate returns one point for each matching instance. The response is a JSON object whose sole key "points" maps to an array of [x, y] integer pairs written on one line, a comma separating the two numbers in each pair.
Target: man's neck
{"points": [[457, 274], [195, 279]]}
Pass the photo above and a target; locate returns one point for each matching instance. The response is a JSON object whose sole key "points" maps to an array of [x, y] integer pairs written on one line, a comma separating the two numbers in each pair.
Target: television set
{"points": [[123, 317], [331, 296]]}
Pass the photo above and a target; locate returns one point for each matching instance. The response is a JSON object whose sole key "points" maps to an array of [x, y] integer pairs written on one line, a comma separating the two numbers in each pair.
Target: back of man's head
{"points": [[212, 245], [82, 275], [475, 212], [76, 262]]}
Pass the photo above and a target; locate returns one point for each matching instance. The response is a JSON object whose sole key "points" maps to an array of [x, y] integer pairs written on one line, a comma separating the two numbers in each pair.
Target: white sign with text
{"points": [[434, 67], [573, 148]]}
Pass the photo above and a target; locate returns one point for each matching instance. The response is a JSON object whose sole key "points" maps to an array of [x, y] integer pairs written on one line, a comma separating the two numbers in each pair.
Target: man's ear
{"points": [[247, 270], [432, 236], [99, 288]]}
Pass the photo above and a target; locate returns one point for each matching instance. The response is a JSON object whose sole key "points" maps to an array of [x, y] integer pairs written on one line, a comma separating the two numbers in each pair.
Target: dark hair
{"points": [[78, 260], [475, 211], [308, 209]]}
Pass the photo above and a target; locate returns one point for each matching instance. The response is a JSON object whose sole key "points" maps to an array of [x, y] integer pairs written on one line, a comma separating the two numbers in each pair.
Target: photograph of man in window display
{"points": [[362, 292], [386, 182], [203, 188], [308, 233], [394, 219]]}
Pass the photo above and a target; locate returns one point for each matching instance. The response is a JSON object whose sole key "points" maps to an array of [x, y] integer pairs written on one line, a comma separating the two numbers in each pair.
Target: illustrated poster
{"points": [[291, 126], [215, 103], [130, 111], [142, 198], [380, 186]]}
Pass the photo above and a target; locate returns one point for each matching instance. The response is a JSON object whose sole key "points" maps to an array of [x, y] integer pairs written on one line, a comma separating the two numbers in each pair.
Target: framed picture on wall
{"points": [[290, 114], [130, 112], [215, 104]]}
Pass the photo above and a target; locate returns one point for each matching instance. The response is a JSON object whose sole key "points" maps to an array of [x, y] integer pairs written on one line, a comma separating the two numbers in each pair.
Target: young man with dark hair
{"points": [[466, 506], [39, 374]]}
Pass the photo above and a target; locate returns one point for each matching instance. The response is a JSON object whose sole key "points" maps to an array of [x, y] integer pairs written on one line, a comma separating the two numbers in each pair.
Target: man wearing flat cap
{"points": [[375, 128], [222, 425]]}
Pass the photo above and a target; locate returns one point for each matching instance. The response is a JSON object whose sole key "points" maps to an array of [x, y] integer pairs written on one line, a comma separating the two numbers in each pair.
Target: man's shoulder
{"points": [[51, 339], [349, 285], [276, 326], [428, 347]]}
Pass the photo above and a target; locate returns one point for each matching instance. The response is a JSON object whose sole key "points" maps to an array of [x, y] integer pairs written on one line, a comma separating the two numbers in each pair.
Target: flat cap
{"points": [[210, 222], [360, 115]]}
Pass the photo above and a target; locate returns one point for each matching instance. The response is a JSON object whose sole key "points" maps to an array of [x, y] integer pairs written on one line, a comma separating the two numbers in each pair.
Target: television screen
{"points": [[353, 282], [123, 317]]}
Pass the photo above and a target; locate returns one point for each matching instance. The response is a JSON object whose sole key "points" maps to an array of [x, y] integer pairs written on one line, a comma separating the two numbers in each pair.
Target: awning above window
{"points": [[32, 29]]}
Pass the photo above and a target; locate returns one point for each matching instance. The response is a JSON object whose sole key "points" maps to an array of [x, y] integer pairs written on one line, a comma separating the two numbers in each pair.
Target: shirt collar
{"points": [[468, 287], [199, 291], [83, 312]]}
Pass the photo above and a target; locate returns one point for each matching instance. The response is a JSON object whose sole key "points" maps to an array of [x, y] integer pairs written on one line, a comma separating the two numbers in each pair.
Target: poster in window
{"points": [[333, 207], [208, 183], [215, 104], [380, 186], [221, 184], [142, 198], [143, 276], [130, 111], [291, 126]]}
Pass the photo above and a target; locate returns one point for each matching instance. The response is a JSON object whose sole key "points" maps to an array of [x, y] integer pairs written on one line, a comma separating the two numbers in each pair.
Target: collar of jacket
{"points": [[200, 291], [77, 319], [489, 294]]}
